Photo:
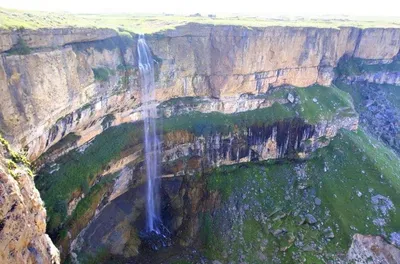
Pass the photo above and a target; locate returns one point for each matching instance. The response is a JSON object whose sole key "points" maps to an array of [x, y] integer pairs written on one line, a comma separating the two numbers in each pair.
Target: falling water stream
{"points": [[151, 141]]}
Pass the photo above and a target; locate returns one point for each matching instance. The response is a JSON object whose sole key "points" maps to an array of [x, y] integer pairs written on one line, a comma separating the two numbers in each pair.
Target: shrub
{"points": [[11, 165], [19, 158], [5, 143], [123, 67], [126, 37], [102, 74], [21, 48]]}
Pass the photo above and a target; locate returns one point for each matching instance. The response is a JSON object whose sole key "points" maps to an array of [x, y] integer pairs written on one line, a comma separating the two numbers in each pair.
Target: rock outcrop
{"points": [[23, 237], [187, 154], [372, 249], [52, 38], [377, 78], [45, 93]]}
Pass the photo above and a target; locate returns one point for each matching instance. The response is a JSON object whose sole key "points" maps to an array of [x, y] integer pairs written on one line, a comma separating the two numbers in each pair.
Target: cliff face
{"points": [[186, 154], [74, 77], [23, 237], [261, 57], [80, 82]]}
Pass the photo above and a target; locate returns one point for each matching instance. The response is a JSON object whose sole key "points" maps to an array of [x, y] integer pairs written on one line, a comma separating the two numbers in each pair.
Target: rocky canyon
{"points": [[279, 144]]}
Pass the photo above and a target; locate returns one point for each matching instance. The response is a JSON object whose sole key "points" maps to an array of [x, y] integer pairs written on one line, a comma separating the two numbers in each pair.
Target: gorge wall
{"points": [[225, 93], [23, 237], [73, 78]]}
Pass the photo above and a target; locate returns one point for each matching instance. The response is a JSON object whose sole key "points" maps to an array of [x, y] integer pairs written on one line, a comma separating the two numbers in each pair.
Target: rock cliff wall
{"points": [[73, 78], [23, 237], [82, 81]]}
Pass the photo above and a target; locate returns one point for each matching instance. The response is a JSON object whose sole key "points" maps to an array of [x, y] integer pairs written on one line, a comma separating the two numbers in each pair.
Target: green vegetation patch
{"points": [[21, 48], [349, 66], [86, 207], [78, 168], [147, 23], [102, 74], [14, 158], [359, 167], [316, 103], [347, 177], [74, 172]]}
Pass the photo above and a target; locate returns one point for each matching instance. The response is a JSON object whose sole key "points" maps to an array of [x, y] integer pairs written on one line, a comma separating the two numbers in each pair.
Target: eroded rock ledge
{"points": [[69, 70]]}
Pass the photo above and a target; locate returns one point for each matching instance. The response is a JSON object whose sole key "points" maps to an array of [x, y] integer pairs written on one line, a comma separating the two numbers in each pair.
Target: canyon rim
{"points": [[205, 141]]}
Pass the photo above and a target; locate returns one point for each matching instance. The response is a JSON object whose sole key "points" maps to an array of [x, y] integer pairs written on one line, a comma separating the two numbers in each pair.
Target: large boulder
{"points": [[372, 249]]}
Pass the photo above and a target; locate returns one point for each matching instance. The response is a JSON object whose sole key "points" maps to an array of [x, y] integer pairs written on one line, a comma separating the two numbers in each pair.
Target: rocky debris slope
{"points": [[355, 70], [23, 237], [379, 108], [292, 212], [380, 115], [51, 78], [372, 249]]}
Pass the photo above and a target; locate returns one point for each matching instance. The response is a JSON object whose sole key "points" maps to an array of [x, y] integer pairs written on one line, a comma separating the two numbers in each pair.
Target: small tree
{"points": [[21, 48]]}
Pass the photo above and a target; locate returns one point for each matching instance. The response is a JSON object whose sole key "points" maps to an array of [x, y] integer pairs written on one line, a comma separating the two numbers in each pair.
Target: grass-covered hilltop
{"points": [[142, 23], [275, 139]]}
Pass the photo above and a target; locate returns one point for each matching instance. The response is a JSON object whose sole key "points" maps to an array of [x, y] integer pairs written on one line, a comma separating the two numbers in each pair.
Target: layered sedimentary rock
{"points": [[82, 81], [52, 38], [186, 154], [377, 78], [43, 92]]}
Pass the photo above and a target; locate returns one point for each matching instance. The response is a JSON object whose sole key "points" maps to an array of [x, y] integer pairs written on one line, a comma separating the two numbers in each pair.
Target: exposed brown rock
{"points": [[372, 249], [23, 237], [45, 94], [50, 38]]}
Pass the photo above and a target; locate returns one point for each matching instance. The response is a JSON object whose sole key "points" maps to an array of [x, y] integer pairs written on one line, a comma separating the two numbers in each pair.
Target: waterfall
{"points": [[151, 141]]}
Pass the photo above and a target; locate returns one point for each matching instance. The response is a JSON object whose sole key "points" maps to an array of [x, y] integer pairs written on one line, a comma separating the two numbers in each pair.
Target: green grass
{"points": [[353, 91], [357, 162], [19, 19], [102, 74], [330, 103], [21, 48], [84, 210], [78, 170], [354, 162]]}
